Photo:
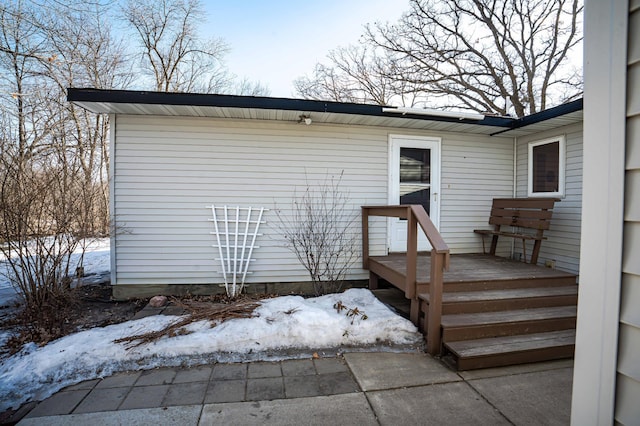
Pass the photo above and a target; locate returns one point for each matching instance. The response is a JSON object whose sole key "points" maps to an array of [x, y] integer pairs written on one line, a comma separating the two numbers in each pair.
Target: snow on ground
{"points": [[96, 266], [96, 257], [284, 327]]}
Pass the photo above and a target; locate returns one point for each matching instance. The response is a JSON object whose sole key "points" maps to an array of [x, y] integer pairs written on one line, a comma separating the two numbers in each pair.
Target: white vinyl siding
{"points": [[168, 169], [475, 170], [562, 245], [627, 410]]}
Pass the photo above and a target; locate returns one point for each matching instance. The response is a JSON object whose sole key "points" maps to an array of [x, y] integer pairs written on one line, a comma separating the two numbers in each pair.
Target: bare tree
{"points": [[53, 156], [317, 229], [173, 53], [354, 76], [486, 56], [357, 74], [246, 87], [22, 49], [87, 55]]}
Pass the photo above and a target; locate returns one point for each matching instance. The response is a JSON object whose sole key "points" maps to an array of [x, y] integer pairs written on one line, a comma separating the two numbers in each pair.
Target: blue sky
{"points": [[276, 41]]}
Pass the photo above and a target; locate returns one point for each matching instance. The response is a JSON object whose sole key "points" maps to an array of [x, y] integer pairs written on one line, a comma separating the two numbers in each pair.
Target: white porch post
{"points": [[602, 213]]}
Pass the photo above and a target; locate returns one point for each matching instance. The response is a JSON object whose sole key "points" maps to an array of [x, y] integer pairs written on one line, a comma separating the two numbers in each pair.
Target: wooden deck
{"points": [[479, 309], [480, 270], [495, 311]]}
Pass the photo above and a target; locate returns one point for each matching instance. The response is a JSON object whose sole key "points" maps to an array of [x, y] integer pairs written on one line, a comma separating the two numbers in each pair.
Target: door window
{"points": [[415, 177]]}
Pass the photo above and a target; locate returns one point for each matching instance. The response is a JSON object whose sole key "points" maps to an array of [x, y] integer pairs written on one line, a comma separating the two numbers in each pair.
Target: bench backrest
{"points": [[533, 213]]}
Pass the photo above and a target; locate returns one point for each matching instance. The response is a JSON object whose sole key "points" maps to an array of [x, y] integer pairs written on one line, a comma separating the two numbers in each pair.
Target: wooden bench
{"points": [[529, 217]]}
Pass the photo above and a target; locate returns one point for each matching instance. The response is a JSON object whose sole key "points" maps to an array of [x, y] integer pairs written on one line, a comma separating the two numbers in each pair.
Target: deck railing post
{"points": [[365, 238], [415, 215], [412, 255], [435, 303]]}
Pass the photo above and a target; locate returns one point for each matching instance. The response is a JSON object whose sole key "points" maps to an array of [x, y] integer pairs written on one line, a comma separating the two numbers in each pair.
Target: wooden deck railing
{"points": [[416, 215]]}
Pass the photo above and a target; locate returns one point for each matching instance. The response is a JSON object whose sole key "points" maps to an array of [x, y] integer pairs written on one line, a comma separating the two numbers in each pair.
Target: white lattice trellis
{"points": [[236, 231]]}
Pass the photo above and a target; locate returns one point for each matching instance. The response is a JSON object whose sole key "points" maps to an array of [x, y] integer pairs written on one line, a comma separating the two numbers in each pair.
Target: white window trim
{"points": [[561, 166]]}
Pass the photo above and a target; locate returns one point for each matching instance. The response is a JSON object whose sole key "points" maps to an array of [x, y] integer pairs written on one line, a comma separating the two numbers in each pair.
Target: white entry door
{"points": [[414, 178]]}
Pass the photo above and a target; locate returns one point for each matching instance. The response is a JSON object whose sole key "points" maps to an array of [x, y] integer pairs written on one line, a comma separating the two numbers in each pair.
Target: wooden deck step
{"points": [[496, 300], [457, 327], [522, 312], [507, 283], [498, 351]]}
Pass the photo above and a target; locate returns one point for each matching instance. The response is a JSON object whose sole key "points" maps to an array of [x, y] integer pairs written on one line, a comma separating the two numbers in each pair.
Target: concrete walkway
{"points": [[359, 389]]}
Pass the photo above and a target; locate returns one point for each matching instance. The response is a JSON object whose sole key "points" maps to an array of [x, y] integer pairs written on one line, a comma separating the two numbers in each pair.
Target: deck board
{"points": [[502, 345], [466, 268], [501, 317], [474, 296]]}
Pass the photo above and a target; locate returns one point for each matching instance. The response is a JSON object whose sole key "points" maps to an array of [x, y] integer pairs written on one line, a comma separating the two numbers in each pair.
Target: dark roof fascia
{"points": [[232, 101], [547, 114]]}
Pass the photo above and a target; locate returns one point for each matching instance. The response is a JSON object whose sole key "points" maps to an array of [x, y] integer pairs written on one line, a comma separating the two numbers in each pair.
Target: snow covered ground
{"points": [[96, 265], [284, 327]]}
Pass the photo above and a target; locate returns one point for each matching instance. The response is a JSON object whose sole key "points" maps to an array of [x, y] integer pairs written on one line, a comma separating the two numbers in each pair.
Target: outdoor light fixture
{"points": [[426, 111], [306, 119]]}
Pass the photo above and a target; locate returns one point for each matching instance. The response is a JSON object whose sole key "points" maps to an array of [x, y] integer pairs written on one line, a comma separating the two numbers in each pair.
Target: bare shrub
{"points": [[317, 229], [40, 229]]}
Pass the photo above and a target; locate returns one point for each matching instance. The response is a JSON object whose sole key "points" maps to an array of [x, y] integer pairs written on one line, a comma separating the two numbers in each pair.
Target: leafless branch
{"points": [[317, 229], [469, 54]]}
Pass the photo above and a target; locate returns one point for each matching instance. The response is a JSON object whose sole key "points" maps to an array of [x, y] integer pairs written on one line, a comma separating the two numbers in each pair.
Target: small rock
{"points": [[158, 301]]}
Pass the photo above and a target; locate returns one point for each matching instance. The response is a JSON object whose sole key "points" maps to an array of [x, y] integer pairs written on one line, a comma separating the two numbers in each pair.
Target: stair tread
{"points": [[507, 344], [516, 293], [497, 317]]}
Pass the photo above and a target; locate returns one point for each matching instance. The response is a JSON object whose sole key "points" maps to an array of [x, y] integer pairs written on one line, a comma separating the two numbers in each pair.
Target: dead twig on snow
{"points": [[215, 313]]}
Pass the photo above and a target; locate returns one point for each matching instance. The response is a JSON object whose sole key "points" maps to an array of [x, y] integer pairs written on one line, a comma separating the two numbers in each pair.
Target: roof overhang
{"points": [[552, 118], [291, 110]]}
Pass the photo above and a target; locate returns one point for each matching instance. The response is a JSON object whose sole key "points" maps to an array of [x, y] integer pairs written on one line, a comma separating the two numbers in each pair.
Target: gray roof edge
{"points": [[547, 114], [87, 95], [91, 95]]}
